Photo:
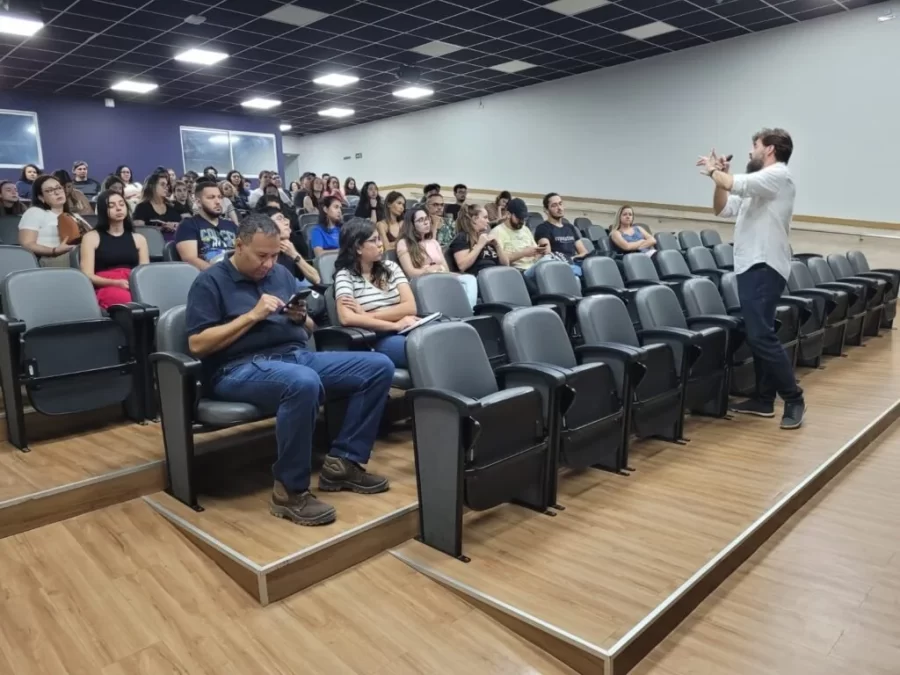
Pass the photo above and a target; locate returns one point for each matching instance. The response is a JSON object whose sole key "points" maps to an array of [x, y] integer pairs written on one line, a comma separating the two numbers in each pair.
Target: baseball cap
{"points": [[517, 208]]}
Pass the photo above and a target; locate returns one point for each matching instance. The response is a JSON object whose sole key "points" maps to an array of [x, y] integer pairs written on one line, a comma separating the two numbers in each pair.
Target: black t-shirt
{"points": [[145, 212], [180, 209], [452, 210], [562, 239], [487, 258]]}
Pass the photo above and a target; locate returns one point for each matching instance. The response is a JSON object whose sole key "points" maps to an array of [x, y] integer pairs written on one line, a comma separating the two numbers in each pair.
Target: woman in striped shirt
{"points": [[370, 292]]}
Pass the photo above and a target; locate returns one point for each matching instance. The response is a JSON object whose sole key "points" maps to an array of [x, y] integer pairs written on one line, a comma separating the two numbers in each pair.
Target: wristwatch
{"points": [[297, 258]]}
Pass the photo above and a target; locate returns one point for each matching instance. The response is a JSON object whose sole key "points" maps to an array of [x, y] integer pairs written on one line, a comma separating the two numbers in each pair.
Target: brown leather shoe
{"points": [[300, 507], [342, 474]]}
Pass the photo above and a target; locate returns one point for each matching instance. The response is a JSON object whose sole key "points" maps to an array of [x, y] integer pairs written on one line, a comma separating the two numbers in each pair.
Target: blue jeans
{"points": [[470, 286], [293, 385], [529, 274], [394, 347], [759, 292]]}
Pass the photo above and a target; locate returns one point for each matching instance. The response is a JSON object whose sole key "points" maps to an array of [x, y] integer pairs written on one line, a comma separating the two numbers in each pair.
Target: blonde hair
{"points": [[464, 222], [618, 223]]}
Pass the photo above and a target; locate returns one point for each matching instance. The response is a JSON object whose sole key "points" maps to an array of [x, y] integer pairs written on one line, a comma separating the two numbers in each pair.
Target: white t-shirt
{"points": [[45, 223], [368, 296]]}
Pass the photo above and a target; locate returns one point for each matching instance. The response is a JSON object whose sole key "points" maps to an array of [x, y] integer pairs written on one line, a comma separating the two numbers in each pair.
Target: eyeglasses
{"points": [[437, 205], [423, 219], [50, 191]]}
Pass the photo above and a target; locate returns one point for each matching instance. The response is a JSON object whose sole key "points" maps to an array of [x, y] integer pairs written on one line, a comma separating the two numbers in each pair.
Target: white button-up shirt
{"points": [[763, 203]]}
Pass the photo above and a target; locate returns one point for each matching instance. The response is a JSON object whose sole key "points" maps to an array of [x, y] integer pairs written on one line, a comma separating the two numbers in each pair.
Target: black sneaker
{"points": [[753, 407], [300, 507], [342, 474], [793, 415]]}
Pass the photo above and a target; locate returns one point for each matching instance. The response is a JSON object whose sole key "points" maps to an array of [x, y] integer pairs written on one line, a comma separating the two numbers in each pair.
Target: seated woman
{"points": [[419, 252], [292, 249], [475, 247], [370, 292], [370, 204], [10, 204], [132, 188], [628, 237], [155, 210], [389, 227], [314, 197], [111, 250], [351, 192], [40, 225], [326, 235], [30, 173], [333, 189], [240, 192], [497, 210], [229, 211], [77, 203], [113, 183]]}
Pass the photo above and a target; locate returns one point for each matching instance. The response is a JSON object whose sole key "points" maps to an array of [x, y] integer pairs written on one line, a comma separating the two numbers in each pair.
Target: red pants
{"points": [[113, 295]]}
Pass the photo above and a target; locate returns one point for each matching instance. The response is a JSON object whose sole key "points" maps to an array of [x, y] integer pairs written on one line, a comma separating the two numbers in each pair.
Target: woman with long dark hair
{"points": [[76, 202], [370, 205], [389, 226], [314, 196], [39, 226], [326, 235], [240, 192], [112, 249], [10, 204], [497, 209], [370, 292], [30, 173], [155, 210], [132, 187], [351, 192]]}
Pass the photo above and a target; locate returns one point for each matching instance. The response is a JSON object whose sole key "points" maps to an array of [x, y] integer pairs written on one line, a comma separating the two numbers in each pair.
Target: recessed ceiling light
{"points": [[201, 56], [887, 17], [261, 103], [13, 25], [135, 87], [196, 19], [649, 30], [285, 127], [573, 7], [436, 48], [413, 92], [336, 112], [336, 80], [513, 66], [293, 15]]}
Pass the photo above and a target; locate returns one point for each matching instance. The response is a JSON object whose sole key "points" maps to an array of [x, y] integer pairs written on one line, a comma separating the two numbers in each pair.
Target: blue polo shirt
{"points": [[329, 240], [221, 294]]}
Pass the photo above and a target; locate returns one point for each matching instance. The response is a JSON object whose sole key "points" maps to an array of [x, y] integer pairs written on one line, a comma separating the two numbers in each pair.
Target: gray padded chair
{"points": [[860, 296], [585, 226], [878, 287], [308, 219], [667, 241], [702, 354], [324, 265], [170, 252], [724, 256], [15, 258], [832, 304], [645, 374], [700, 262], [601, 276], [479, 435], [57, 345], [533, 220], [861, 268], [9, 230], [710, 238], [156, 243], [593, 430], [672, 266], [639, 271], [689, 239], [558, 286]]}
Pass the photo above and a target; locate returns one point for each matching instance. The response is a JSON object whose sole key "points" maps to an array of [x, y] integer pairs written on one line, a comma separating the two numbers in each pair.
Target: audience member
{"points": [[628, 237], [475, 247], [30, 174], [276, 181], [76, 202], [333, 189], [240, 193], [563, 239], [370, 205], [325, 177], [444, 229], [460, 191], [254, 350], [10, 204], [229, 212], [518, 241], [430, 189], [111, 250], [372, 293], [298, 196], [314, 197], [326, 235], [173, 178], [293, 246], [154, 210], [181, 200], [132, 188], [211, 172], [114, 183], [294, 188], [206, 237], [389, 227], [497, 209], [84, 184], [351, 192], [265, 179], [39, 225]]}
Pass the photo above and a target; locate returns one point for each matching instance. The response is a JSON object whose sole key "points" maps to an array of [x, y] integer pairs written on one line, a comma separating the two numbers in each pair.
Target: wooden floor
{"points": [[623, 545], [119, 592], [821, 597]]}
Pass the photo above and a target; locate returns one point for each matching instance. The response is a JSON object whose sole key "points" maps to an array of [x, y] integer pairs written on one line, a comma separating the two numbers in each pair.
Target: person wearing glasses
{"points": [[444, 228], [39, 225]]}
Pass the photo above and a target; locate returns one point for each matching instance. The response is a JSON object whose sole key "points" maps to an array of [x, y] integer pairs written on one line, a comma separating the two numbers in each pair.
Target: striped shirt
{"points": [[368, 296]]}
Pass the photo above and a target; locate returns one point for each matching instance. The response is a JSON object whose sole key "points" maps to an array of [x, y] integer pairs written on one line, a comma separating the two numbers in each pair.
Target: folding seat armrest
{"points": [[675, 337], [871, 285], [624, 360], [10, 326], [886, 277], [620, 293], [548, 381], [493, 308], [704, 271], [806, 306], [729, 323], [463, 405], [813, 293], [640, 283], [850, 289], [676, 278], [184, 364], [343, 339], [727, 268], [803, 257], [555, 299]]}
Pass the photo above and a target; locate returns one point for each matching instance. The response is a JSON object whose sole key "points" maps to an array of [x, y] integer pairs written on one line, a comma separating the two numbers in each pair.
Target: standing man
{"points": [[762, 200]]}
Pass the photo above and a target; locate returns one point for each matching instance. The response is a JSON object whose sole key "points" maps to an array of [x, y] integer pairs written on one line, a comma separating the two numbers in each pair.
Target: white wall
{"points": [[634, 131]]}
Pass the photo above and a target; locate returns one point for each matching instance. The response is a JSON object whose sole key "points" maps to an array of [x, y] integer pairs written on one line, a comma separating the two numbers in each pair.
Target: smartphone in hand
{"points": [[296, 299]]}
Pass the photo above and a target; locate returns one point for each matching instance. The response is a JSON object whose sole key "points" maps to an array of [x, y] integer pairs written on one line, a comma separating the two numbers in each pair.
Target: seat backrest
{"points": [[170, 252], [820, 270], [537, 335], [724, 255], [503, 284], [730, 291], [602, 272], [45, 296], [801, 277], [306, 230], [171, 333], [645, 228], [584, 225], [331, 306], [858, 262], [9, 230], [639, 266], [450, 355], [308, 219], [325, 266], [555, 276], [671, 262], [441, 293], [391, 255], [700, 258], [604, 318], [163, 285], [839, 265], [15, 258], [588, 245], [533, 220], [156, 243], [702, 297], [710, 238], [689, 239], [595, 232], [666, 241], [658, 307]]}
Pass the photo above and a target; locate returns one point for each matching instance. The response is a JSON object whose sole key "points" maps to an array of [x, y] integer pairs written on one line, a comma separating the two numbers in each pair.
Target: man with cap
{"points": [[518, 241]]}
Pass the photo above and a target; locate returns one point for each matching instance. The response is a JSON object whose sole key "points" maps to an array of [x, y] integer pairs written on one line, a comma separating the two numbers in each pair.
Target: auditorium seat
{"points": [[156, 243], [640, 271], [13, 259], [307, 220], [170, 252], [667, 241], [702, 354], [673, 267], [479, 440], [533, 220], [9, 230], [878, 287], [558, 286], [584, 226], [700, 262], [601, 276], [724, 256], [861, 269], [646, 374], [324, 265], [845, 319], [862, 296], [689, 239], [710, 238], [592, 429], [57, 344]]}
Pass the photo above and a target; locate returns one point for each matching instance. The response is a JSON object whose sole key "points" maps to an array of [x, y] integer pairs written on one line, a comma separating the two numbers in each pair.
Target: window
{"points": [[245, 151], [20, 140]]}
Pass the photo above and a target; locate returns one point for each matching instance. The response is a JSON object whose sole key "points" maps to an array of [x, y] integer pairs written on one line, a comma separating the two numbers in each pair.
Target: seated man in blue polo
{"points": [[327, 234], [205, 238], [254, 350]]}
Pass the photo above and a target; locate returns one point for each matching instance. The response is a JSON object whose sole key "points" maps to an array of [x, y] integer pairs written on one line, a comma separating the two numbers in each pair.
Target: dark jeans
{"points": [[759, 291], [292, 386]]}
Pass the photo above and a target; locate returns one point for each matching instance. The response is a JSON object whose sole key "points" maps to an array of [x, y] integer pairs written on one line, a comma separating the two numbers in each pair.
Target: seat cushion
{"points": [[226, 413], [402, 379]]}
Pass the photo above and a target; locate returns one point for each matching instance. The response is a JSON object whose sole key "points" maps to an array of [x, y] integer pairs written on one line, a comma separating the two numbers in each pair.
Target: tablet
{"points": [[421, 322]]}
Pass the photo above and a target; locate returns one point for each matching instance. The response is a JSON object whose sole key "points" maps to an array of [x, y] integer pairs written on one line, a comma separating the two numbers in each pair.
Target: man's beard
{"points": [[211, 214], [754, 165]]}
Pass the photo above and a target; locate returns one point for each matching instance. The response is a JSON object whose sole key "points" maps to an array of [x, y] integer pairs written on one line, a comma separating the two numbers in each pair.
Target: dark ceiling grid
{"points": [[86, 45]]}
